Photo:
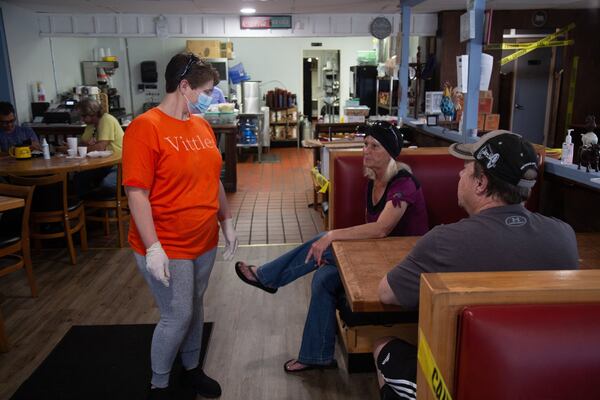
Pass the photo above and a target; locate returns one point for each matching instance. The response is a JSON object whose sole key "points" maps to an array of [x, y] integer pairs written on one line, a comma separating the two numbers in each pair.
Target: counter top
{"points": [[552, 166], [438, 131], [571, 173]]}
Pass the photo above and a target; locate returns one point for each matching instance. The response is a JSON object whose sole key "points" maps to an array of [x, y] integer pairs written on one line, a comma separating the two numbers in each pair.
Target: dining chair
{"points": [[14, 235], [109, 207], [51, 208]]}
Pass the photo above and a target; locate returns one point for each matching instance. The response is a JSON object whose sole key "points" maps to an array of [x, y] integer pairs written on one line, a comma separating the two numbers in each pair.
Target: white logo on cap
{"points": [[491, 157]]}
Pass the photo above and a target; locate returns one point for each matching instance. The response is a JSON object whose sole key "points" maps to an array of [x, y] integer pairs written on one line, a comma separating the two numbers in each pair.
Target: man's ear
{"points": [[481, 185]]}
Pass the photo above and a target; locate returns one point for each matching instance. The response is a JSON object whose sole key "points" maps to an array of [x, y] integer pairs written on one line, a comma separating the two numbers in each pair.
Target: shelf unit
{"points": [[283, 122], [257, 120], [389, 106]]}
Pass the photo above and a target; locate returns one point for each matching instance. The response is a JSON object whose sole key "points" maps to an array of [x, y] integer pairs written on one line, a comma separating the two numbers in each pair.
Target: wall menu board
{"points": [[265, 22]]}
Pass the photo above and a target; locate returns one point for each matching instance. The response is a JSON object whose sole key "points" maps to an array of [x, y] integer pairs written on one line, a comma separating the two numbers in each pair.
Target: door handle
{"points": [[519, 107]]}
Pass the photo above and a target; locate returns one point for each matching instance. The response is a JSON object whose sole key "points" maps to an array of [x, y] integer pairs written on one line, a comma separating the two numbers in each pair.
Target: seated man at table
{"points": [[500, 234], [12, 134], [395, 207], [102, 132]]}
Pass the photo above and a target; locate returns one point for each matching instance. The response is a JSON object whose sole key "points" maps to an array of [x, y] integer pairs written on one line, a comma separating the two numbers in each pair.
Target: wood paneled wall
{"points": [[587, 47]]}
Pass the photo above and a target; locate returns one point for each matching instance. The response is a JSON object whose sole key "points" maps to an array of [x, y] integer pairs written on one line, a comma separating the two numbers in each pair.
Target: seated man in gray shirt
{"points": [[500, 234]]}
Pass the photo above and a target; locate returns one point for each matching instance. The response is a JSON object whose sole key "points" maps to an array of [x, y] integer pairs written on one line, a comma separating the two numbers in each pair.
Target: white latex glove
{"points": [[157, 263], [231, 241]]}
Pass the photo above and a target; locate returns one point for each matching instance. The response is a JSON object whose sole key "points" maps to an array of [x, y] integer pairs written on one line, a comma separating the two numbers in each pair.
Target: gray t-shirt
{"points": [[506, 238]]}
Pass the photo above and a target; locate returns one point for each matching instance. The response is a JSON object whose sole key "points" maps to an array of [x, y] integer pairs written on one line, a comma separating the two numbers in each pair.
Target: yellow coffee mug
{"points": [[20, 152]]}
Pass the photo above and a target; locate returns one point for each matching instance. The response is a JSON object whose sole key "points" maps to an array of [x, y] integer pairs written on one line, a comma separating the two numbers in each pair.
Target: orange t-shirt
{"points": [[179, 163]]}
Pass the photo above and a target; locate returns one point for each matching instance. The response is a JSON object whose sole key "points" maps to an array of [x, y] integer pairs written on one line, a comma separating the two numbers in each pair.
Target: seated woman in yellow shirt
{"points": [[103, 132]]}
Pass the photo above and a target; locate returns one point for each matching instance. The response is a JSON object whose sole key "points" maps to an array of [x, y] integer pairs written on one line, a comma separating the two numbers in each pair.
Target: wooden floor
{"points": [[254, 332]]}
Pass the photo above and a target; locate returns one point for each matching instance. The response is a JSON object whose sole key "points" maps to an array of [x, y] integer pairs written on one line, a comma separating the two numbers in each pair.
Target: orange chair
{"points": [[14, 235], [52, 206]]}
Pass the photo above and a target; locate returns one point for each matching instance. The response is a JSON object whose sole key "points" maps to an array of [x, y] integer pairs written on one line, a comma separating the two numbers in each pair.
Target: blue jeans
{"points": [[318, 339]]}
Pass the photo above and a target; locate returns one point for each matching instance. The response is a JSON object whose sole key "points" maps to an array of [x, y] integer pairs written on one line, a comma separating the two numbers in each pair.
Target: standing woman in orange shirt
{"points": [[171, 170]]}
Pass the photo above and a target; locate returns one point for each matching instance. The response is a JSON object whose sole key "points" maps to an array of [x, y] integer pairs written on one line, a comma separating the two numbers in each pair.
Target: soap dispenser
{"points": [[567, 149]]}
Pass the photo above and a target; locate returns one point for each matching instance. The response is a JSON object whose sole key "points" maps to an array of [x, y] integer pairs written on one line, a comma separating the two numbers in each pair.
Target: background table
{"points": [[56, 164], [9, 203], [362, 264]]}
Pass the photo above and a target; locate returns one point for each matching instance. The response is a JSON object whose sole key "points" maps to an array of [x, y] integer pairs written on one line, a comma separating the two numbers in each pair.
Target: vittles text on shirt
{"points": [[190, 144]]}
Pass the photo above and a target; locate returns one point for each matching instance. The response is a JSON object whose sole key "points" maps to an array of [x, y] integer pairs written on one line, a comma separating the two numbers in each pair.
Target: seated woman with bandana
{"points": [[395, 207]]}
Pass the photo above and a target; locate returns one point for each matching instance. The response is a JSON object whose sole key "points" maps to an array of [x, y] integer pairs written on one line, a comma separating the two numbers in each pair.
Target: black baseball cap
{"points": [[503, 155], [385, 133]]}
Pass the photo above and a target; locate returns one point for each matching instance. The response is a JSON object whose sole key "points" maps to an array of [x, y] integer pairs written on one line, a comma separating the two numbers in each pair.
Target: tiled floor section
{"points": [[271, 204]]}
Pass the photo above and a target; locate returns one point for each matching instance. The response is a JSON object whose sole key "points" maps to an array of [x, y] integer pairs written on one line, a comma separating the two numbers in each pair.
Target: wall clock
{"points": [[381, 27]]}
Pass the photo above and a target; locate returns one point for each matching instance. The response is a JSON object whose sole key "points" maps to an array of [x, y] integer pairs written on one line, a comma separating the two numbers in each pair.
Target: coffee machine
{"points": [[99, 73]]}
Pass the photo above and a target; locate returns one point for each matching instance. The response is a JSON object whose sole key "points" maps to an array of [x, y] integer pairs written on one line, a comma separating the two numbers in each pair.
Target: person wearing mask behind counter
{"points": [[217, 96], [171, 171], [12, 134]]}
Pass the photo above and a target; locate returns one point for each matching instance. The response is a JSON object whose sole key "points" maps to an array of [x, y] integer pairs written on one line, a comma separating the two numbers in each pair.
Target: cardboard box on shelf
{"points": [[281, 116], [280, 132], [292, 132], [492, 122], [292, 114], [480, 122], [485, 105], [205, 48]]}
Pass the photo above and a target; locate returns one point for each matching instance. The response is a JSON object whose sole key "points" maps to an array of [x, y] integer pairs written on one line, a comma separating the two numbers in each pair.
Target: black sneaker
{"points": [[204, 385], [159, 394]]}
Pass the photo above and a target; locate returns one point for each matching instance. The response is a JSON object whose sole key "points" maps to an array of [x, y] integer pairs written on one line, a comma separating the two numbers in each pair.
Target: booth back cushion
{"points": [[533, 351], [437, 174]]}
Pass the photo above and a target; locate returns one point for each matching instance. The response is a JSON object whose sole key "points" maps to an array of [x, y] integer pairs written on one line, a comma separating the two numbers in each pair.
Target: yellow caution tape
{"points": [[431, 371], [571, 98], [320, 180], [535, 45], [519, 46]]}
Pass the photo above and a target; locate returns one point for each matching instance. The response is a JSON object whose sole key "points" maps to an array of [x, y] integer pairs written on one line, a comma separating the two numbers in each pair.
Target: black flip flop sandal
{"points": [[307, 367], [252, 283]]}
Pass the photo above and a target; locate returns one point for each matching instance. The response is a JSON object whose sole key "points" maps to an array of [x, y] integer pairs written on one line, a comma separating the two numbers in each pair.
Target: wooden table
{"points": [[7, 203], [362, 264], [56, 164]]}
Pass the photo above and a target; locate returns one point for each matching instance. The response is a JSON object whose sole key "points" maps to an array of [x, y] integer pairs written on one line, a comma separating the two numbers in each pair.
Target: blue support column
{"points": [[403, 73], [474, 47]]}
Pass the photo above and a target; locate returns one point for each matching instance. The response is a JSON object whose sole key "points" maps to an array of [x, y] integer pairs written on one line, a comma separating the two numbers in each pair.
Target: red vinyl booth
{"points": [[437, 174], [528, 351]]}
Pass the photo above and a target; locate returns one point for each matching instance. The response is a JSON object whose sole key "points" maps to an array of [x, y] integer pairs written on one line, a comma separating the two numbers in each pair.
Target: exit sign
{"points": [[266, 22]]}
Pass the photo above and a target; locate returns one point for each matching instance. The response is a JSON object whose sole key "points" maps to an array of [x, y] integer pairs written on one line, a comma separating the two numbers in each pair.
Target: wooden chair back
{"points": [[59, 179]]}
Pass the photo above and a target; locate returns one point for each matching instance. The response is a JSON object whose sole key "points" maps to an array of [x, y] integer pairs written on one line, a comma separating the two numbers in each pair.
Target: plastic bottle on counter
{"points": [[566, 156], [45, 149]]}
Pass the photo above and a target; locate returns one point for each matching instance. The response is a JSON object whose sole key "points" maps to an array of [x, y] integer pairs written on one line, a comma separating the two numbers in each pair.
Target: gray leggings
{"points": [[181, 313]]}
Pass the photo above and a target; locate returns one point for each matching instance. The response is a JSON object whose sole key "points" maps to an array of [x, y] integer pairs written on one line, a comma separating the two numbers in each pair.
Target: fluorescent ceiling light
{"points": [[247, 10]]}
